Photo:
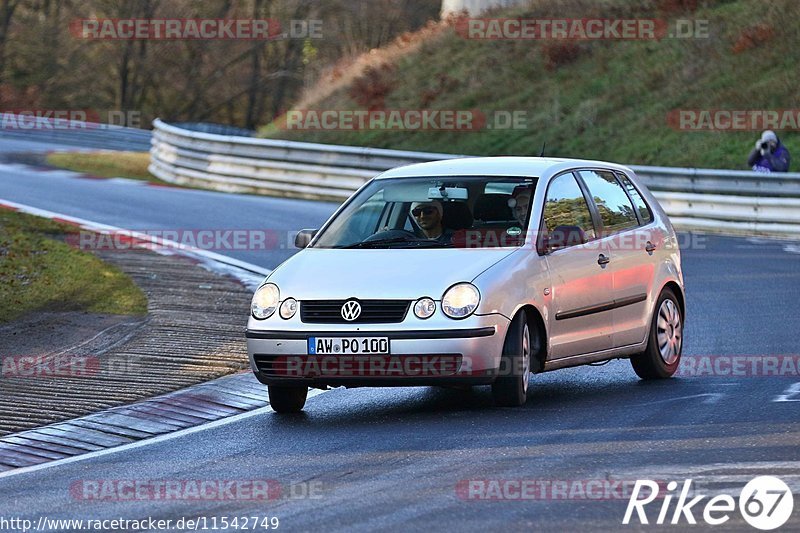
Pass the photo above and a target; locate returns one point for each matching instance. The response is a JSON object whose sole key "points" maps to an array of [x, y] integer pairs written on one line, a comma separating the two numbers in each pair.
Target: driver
{"points": [[428, 216]]}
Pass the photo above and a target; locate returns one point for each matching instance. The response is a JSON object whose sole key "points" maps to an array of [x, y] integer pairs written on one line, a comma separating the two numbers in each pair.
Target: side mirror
{"points": [[543, 244], [303, 237]]}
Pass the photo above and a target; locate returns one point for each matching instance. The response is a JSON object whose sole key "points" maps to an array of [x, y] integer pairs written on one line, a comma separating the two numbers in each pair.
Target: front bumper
{"points": [[455, 352]]}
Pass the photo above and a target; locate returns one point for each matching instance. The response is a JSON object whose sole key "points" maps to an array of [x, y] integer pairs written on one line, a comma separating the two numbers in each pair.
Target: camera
{"points": [[765, 146]]}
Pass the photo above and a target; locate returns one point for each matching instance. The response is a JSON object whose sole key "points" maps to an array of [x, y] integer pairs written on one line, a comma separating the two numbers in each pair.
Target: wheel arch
{"points": [[678, 292], [676, 289], [536, 325]]}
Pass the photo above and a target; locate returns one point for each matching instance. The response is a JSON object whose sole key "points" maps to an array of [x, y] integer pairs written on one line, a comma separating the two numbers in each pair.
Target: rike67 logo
{"points": [[765, 503]]}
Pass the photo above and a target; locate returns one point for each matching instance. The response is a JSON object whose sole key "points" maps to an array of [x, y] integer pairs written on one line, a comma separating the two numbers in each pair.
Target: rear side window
{"points": [[645, 215], [614, 206], [566, 206]]}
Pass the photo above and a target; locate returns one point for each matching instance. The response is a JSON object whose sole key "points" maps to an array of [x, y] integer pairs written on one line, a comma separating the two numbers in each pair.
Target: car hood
{"points": [[333, 274]]}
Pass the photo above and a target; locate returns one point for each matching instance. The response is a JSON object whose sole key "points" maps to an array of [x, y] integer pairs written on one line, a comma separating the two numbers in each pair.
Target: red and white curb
{"points": [[197, 408]]}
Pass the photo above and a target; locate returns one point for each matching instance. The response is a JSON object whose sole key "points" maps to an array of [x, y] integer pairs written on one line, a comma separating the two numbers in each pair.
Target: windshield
{"points": [[435, 212]]}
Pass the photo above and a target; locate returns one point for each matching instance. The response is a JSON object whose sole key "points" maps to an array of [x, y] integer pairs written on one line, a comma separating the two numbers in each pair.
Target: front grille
{"points": [[349, 366], [372, 312]]}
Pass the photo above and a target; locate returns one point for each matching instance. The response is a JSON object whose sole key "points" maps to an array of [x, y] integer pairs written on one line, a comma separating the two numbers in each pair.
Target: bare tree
{"points": [[240, 82], [132, 63], [7, 9]]}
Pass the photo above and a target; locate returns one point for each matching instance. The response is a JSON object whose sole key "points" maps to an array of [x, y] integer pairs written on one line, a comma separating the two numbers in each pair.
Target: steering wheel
{"points": [[392, 234]]}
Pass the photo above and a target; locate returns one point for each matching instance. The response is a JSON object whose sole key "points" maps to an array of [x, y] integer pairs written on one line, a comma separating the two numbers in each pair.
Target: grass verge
{"points": [[105, 164], [40, 271]]}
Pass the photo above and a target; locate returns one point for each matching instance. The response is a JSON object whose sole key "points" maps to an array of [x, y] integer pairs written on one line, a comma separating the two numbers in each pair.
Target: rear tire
{"points": [[287, 399], [662, 356], [510, 389]]}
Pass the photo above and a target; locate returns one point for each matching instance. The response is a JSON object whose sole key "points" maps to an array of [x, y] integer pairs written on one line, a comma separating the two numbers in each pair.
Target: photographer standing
{"points": [[769, 155]]}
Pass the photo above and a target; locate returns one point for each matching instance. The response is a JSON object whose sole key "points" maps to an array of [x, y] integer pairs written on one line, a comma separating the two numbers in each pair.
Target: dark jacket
{"points": [[778, 161]]}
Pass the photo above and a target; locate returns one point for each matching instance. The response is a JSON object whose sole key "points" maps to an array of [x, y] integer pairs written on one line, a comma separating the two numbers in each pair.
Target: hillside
{"points": [[607, 99]]}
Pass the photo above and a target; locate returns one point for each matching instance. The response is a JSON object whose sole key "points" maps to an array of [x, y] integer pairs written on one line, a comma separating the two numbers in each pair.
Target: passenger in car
{"points": [[428, 216], [521, 200]]}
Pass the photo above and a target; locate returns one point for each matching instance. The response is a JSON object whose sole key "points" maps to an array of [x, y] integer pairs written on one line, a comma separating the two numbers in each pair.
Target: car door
{"points": [[630, 240], [580, 280]]}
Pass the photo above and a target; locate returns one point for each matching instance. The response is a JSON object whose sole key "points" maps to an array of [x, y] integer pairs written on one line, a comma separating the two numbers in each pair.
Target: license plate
{"points": [[348, 345]]}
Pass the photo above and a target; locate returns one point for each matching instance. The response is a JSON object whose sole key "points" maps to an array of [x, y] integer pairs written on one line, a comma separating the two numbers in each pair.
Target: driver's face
{"points": [[427, 216]]}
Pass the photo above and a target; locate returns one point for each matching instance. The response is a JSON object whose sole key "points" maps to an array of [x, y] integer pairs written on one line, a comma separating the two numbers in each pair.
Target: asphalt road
{"points": [[396, 458], [10, 145]]}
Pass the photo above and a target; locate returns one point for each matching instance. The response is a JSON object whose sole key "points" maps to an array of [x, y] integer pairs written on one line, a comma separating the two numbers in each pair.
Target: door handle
{"points": [[603, 260], [649, 247]]}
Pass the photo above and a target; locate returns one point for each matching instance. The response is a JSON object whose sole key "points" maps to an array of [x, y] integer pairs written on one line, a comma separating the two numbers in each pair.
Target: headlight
{"points": [[460, 300], [288, 308], [265, 301], [424, 308]]}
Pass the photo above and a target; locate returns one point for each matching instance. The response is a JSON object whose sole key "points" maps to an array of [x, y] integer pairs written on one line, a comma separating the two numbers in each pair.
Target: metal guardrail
{"points": [[244, 164], [713, 200], [217, 129], [712, 181]]}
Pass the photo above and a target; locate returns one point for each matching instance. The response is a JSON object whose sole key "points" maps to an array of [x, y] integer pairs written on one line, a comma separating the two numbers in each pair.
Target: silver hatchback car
{"points": [[475, 271]]}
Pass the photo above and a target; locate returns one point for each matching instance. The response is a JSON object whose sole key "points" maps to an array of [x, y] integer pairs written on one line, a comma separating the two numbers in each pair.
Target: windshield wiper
{"points": [[377, 242], [410, 243], [429, 243]]}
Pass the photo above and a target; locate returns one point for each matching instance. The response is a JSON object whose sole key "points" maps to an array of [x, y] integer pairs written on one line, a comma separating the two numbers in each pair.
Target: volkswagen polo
{"points": [[474, 271]]}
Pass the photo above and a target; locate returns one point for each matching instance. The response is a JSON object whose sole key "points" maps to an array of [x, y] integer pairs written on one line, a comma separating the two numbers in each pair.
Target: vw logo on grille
{"points": [[351, 310]]}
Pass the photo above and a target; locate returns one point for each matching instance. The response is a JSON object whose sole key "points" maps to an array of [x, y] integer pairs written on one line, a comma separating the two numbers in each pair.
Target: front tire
{"points": [[510, 389], [662, 356], [287, 399]]}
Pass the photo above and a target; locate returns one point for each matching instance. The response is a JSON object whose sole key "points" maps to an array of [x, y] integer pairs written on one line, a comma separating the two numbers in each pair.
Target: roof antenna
{"points": [[542, 152]]}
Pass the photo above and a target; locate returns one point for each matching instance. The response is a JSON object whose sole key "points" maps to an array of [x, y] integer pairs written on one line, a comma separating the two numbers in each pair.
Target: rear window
{"points": [[616, 209], [645, 215]]}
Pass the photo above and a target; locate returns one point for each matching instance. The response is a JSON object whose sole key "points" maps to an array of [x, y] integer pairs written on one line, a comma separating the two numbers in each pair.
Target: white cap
{"points": [[768, 136]]}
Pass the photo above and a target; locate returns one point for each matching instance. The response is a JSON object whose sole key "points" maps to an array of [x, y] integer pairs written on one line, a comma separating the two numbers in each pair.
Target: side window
{"points": [[363, 223], [365, 220], [565, 209], [408, 226], [614, 206], [644, 212]]}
